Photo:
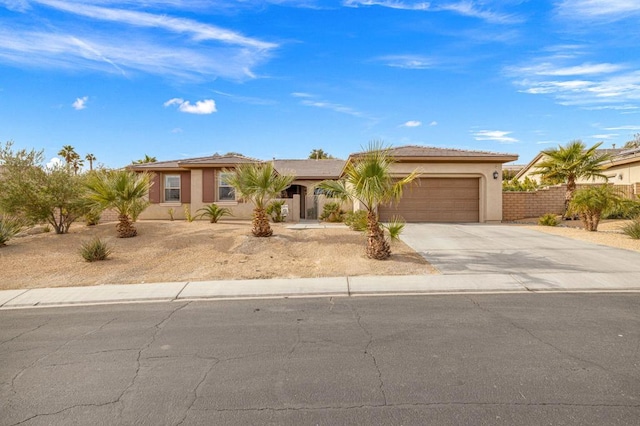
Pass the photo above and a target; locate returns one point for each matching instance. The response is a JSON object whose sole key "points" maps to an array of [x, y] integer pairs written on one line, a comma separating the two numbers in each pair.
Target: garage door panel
{"points": [[438, 200]]}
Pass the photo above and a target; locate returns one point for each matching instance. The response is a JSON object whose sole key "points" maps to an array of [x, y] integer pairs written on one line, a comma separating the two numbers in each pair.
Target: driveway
{"points": [[529, 256]]}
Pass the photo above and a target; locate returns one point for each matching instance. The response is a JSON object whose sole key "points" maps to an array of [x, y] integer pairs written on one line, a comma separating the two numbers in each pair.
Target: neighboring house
{"points": [[454, 185], [529, 170], [624, 168]]}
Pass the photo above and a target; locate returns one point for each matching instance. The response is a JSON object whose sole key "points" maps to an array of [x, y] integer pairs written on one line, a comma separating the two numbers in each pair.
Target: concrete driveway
{"points": [[530, 256]]}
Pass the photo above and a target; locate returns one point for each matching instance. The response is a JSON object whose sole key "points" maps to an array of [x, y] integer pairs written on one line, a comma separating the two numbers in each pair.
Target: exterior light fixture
{"points": [[496, 174]]}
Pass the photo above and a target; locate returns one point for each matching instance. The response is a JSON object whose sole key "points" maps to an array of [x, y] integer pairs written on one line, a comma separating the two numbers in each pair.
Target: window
{"points": [[171, 188], [225, 191]]}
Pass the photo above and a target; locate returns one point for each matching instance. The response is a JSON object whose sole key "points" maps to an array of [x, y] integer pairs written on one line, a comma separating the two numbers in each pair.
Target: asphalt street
{"points": [[556, 359]]}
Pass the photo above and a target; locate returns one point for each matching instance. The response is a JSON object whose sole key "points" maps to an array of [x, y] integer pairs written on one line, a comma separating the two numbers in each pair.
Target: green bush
{"points": [[331, 212], [632, 229], [9, 227], [274, 209], [356, 220], [214, 212], [626, 209], [515, 185], [548, 219], [95, 249], [92, 217]]}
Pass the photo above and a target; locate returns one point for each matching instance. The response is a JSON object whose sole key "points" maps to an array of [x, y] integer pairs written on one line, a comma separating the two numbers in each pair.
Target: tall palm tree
{"points": [[569, 163], [68, 153], [146, 159], [90, 158], [368, 180], [123, 191], [76, 164], [259, 183]]}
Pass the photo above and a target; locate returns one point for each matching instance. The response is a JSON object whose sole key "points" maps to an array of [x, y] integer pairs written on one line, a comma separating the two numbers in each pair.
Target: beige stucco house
{"points": [[454, 185]]}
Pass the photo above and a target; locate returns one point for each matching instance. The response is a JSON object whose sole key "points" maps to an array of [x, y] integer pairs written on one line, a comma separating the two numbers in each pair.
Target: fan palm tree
{"points": [[146, 159], [90, 158], [121, 190], [259, 183], [569, 163], [368, 180], [68, 153], [591, 202]]}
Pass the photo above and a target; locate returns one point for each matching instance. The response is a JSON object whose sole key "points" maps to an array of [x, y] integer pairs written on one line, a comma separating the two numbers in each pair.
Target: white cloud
{"points": [[206, 106], [494, 135], [463, 7], [80, 103], [607, 136], [598, 9], [53, 163], [417, 62], [412, 123], [176, 130], [582, 69], [632, 128], [333, 107], [433, 123]]}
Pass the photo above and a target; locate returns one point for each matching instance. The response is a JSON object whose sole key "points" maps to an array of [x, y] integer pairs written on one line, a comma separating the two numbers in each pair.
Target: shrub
{"points": [[548, 219], [274, 209], [515, 185], [357, 220], [93, 217], [331, 212], [633, 229], [214, 212], [9, 227], [589, 203], [187, 214], [171, 211], [395, 227], [94, 250], [626, 209]]}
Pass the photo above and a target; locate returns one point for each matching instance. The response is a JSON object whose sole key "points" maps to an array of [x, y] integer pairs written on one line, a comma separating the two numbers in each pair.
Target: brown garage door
{"points": [[438, 200]]}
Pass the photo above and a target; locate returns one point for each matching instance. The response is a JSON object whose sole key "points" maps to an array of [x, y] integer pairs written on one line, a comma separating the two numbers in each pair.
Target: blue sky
{"points": [[278, 78]]}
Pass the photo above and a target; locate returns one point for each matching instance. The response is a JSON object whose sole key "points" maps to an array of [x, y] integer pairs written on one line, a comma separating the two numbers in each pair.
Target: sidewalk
{"points": [[327, 287]]}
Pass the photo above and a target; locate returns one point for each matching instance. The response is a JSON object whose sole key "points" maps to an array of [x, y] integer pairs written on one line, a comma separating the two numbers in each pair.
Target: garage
{"points": [[440, 200]]}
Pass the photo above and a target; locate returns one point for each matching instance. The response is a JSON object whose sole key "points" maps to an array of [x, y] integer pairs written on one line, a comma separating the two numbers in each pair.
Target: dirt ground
{"points": [[166, 251]]}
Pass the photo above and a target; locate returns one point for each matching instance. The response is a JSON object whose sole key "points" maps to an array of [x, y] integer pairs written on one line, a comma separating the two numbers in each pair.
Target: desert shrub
{"points": [[93, 217], [357, 220], [9, 227], [625, 209], [632, 229], [274, 209], [395, 227], [187, 214], [515, 185], [214, 212], [331, 212], [95, 249], [170, 212], [548, 219]]}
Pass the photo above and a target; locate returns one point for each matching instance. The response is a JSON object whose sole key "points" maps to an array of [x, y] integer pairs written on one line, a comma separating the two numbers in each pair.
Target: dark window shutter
{"points": [[208, 186], [154, 191], [185, 187]]}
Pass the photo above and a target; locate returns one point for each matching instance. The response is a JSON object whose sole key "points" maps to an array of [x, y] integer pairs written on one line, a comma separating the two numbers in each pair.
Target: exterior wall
{"points": [[521, 205], [490, 188]]}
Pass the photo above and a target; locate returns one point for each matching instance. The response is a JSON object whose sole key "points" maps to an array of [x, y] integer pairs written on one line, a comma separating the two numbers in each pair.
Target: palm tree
{"points": [[319, 154], [146, 159], [590, 202], [68, 153], [123, 191], [259, 183], [76, 164], [368, 180], [569, 163], [90, 158]]}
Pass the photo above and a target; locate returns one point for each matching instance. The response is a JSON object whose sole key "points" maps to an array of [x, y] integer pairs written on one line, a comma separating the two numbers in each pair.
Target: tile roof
{"points": [[186, 162], [429, 151], [321, 169]]}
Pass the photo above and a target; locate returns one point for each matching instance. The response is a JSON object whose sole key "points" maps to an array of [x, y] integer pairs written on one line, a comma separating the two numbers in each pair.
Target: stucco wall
{"points": [[490, 188]]}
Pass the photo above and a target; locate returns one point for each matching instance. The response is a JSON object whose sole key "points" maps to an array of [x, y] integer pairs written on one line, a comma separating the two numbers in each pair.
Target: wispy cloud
{"points": [[467, 8], [207, 106], [417, 62], [80, 103], [412, 123], [631, 128], [602, 85], [246, 99], [308, 99], [604, 136], [598, 9], [155, 43], [494, 135], [433, 123]]}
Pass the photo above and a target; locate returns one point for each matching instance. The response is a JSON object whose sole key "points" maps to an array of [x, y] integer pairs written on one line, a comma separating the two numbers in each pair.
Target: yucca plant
{"points": [[214, 212], [9, 228], [632, 229], [548, 219], [94, 250]]}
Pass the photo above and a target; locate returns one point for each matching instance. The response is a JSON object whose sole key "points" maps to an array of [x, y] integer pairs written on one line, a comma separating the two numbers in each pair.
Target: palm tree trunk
{"points": [[125, 228], [568, 196], [377, 245], [261, 227]]}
